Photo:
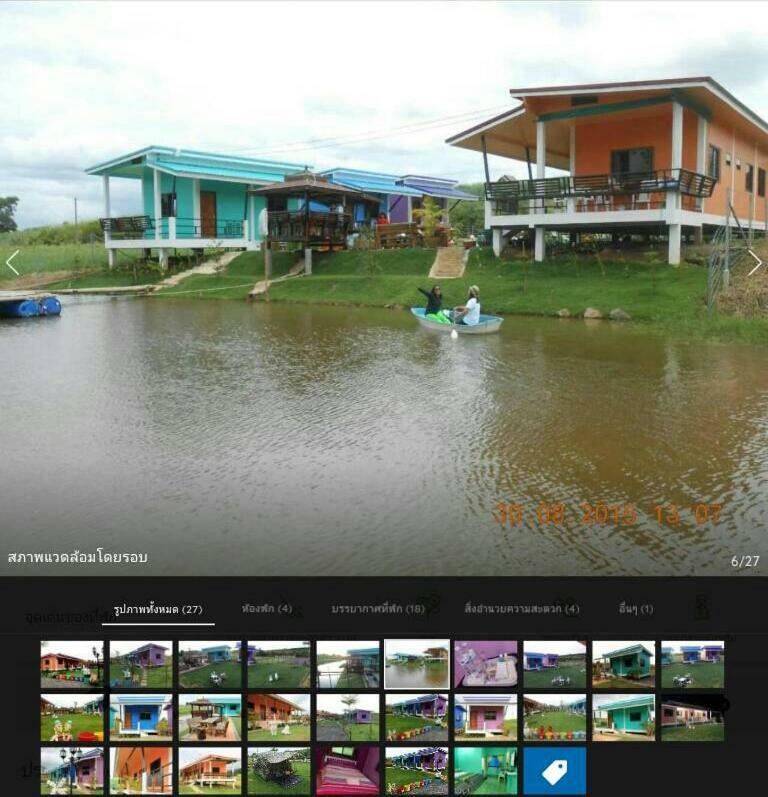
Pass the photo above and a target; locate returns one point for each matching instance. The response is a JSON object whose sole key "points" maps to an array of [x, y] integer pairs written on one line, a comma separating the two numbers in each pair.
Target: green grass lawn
{"points": [[542, 679], [44, 789], [193, 789], [560, 721], [105, 278], [289, 675], [257, 785], [399, 724], [81, 723], [236, 280], [714, 732], [705, 675], [614, 682], [42, 258], [299, 733], [402, 777], [200, 678], [156, 677]]}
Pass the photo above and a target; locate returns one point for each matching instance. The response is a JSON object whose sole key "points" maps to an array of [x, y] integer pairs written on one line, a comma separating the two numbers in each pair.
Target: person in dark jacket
{"points": [[434, 308]]}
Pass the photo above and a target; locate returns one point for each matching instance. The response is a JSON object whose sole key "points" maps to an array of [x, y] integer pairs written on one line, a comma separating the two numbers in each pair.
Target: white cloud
{"points": [[85, 81]]}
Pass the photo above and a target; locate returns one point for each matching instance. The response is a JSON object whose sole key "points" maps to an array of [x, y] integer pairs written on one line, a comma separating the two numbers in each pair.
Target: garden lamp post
{"points": [[70, 757]]}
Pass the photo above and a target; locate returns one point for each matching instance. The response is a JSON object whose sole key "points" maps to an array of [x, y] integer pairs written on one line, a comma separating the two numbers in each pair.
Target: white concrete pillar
{"points": [[246, 231], [539, 251], [196, 221], [307, 261], [172, 228], [673, 255], [157, 203], [112, 257], [541, 149], [677, 151], [496, 240], [162, 256], [268, 263], [252, 230]]}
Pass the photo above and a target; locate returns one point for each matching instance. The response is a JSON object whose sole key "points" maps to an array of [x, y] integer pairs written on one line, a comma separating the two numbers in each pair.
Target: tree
{"points": [[7, 212], [469, 217], [430, 214]]}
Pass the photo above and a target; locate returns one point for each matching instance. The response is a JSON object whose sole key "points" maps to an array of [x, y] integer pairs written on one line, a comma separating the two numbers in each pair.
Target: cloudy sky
{"points": [[84, 81]]}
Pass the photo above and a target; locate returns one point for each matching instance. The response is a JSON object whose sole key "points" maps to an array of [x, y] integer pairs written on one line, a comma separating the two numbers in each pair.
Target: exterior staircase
{"points": [[450, 262]]}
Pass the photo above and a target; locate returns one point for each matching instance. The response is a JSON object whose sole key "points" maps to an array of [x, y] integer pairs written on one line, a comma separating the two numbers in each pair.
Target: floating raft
{"points": [[15, 305]]}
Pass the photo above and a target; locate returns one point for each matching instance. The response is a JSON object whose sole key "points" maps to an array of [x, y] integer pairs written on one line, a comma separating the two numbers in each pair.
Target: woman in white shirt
{"points": [[469, 313]]}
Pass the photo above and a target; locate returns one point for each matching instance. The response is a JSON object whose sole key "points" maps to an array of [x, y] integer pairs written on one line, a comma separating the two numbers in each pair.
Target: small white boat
{"points": [[486, 324]]}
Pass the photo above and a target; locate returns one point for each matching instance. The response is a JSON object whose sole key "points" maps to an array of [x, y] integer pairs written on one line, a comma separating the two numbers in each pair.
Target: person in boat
{"points": [[469, 313], [434, 309]]}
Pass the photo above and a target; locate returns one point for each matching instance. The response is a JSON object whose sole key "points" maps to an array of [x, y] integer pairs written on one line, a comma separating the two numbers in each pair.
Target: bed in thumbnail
{"points": [[347, 770], [489, 663]]}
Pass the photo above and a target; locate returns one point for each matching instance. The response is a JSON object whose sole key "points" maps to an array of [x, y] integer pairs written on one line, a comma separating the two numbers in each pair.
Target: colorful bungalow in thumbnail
{"points": [[141, 770], [271, 716], [667, 655], [431, 706], [639, 158], [629, 664], [213, 665], [433, 759], [555, 717], [200, 769], [484, 663], [686, 718], [71, 664], [422, 717], [279, 662], [485, 770], [347, 770], [217, 653], [485, 716], [143, 665], [712, 653], [615, 716], [539, 661], [60, 775], [141, 716]]}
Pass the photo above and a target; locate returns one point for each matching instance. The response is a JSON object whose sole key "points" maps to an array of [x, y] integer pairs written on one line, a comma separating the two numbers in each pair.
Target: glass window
{"points": [[168, 205], [625, 161], [749, 177], [713, 162], [634, 716], [761, 182]]}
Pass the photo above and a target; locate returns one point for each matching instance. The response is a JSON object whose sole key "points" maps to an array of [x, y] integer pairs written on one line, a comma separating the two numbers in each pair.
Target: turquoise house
{"points": [[190, 199], [630, 714], [218, 654], [666, 655], [630, 662]]}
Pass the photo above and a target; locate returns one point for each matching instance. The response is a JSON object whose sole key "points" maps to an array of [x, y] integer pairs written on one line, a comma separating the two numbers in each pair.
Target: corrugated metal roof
{"points": [[627, 702], [256, 175], [370, 182]]}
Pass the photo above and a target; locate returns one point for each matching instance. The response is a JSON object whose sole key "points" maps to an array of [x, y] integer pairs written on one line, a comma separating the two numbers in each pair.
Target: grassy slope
{"points": [[234, 282], [557, 720]]}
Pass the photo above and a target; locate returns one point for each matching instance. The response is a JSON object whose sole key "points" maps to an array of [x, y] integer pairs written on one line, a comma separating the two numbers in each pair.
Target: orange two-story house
{"points": [[657, 157]]}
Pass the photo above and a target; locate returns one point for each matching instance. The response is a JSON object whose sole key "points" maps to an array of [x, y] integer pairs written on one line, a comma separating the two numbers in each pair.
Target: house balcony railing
{"points": [[315, 227], [130, 228], [598, 192]]}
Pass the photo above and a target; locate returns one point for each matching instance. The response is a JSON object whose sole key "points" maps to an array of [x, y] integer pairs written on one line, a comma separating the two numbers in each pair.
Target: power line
{"points": [[353, 138]]}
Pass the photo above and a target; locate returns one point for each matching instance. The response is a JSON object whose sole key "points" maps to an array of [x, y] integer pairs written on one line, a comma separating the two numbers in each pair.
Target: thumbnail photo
{"points": [[416, 770], [66, 717], [140, 665], [348, 717], [210, 718], [691, 664], [209, 665], [485, 716], [140, 716], [554, 665], [279, 770], [71, 665], [417, 664], [484, 663], [423, 717], [624, 718], [210, 770], [559, 717], [348, 665], [485, 770], [623, 665], [351, 769], [278, 664], [692, 718], [283, 717], [141, 770], [70, 770]]}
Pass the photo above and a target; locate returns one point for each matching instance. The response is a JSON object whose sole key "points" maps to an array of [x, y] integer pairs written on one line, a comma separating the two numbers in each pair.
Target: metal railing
{"points": [[596, 192], [287, 225], [129, 228]]}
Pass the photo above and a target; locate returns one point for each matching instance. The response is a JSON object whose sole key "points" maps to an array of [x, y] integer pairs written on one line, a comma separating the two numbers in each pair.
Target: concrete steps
{"points": [[449, 263]]}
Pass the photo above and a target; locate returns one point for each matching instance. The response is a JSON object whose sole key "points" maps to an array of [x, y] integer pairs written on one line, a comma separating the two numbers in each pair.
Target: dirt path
{"points": [[211, 266], [450, 262]]}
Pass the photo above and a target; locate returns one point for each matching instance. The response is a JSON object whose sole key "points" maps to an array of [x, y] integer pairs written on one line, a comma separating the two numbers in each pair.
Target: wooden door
{"points": [[208, 214]]}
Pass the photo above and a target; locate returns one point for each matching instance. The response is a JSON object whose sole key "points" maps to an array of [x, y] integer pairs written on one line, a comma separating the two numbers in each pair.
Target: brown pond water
{"points": [[225, 438]]}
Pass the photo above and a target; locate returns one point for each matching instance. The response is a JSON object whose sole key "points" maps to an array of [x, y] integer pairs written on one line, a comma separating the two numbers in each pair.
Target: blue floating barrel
{"points": [[19, 308], [50, 305]]}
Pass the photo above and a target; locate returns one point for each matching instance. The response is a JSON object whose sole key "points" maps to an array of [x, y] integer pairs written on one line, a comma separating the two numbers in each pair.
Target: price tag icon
{"points": [[556, 771]]}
